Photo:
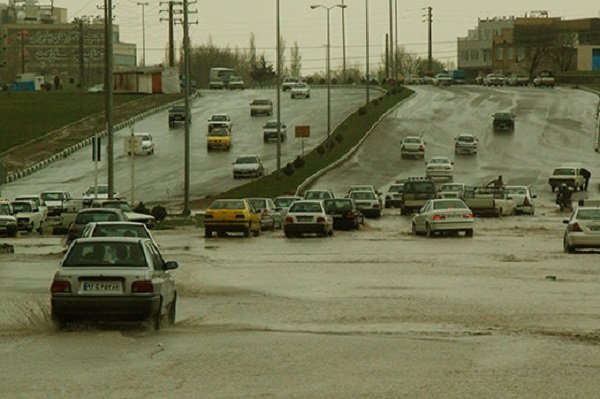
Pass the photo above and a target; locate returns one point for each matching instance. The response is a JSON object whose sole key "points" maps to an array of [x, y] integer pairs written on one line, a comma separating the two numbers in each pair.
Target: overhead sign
{"points": [[302, 131]]}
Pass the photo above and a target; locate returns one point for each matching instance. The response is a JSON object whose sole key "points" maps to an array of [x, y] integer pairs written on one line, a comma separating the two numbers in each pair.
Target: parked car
{"points": [[114, 278], [466, 143], [117, 229], [270, 214], [583, 229], [8, 222], [88, 215], [248, 166], [307, 217], [522, 197], [143, 144], [439, 168], [544, 79], [270, 130], [55, 201], [99, 88], [494, 79], [29, 217], [230, 216], [393, 197], [443, 216], [412, 146], [442, 79], [289, 82], [318, 194], [123, 205], [219, 139], [368, 202], [344, 212], [300, 90], [518, 80]]}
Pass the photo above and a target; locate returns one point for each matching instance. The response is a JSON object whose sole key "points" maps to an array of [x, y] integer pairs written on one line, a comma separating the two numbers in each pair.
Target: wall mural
{"points": [[63, 37], [66, 54]]}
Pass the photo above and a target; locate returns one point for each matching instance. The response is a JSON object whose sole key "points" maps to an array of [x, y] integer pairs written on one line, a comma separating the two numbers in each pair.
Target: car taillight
{"points": [[439, 217], [421, 147], [320, 219], [468, 215], [239, 216], [72, 230], [142, 286], [289, 219], [575, 227], [60, 286]]}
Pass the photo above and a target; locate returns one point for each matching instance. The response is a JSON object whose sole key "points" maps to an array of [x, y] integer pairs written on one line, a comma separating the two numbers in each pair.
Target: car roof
{"points": [[107, 210], [120, 223]]}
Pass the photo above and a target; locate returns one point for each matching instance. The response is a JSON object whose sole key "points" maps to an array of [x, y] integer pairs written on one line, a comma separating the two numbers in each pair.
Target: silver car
{"points": [[583, 229], [307, 217], [270, 214], [466, 143], [117, 229], [113, 278], [522, 197], [443, 216]]}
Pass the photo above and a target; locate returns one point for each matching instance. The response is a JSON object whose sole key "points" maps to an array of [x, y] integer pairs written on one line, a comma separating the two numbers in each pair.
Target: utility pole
{"points": [[343, 43], [278, 90], [367, 80], [396, 38], [171, 22], [391, 53], [108, 93], [429, 19], [81, 59], [22, 34], [143, 5], [387, 56]]}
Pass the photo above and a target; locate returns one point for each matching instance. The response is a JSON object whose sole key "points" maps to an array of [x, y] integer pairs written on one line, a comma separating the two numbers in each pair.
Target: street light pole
{"points": [[343, 43], [367, 46], [342, 6], [278, 88], [143, 4]]}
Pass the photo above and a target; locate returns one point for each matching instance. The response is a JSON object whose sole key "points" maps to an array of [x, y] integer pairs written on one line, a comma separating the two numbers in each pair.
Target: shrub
{"points": [[339, 138], [350, 81], [321, 150], [141, 208], [159, 212], [329, 144], [376, 102], [362, 110], [299, 162], [334, 81], [288, 169], [322, 81]]}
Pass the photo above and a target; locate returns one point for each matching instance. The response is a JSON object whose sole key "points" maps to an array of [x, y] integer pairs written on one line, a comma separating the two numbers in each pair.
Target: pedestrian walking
{"points": [[586, 175]]}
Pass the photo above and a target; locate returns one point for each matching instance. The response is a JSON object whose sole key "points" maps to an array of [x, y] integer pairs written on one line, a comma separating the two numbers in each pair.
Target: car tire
{"points": [[428, 231], [58, 322], [40, 229], [247, 232], [207, 233], [568, 248], [256, 232], [414, 229], [171, 316], [469, 233]]}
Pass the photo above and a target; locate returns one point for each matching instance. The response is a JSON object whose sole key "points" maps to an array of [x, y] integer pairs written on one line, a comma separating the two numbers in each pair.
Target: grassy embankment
{"points": [[346, 136], [25, 117]]}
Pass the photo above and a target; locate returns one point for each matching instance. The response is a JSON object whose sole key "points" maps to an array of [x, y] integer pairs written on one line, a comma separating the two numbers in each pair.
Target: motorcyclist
{"points": [[563, 197]]}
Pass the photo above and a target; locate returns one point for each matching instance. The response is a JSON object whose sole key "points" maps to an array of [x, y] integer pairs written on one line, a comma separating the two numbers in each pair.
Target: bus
{"points": [[219, 77]]}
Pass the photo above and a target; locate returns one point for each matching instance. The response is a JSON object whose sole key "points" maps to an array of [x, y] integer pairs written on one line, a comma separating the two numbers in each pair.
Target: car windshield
{"points": [[317, 195], [87, 217], [120, 230], [449, 204], [178, 108], [337, 204], [52, 196], [146, 137], [300, 85], [219, 118], [19, 207], [284, 202], [439, 160], [502, 115], [35, 200], [271, 124], [412, 140], [306, 207], [564, 172], [4, 210], [587, 214], [260, 102], [228, 204], [363, 195], [396, 189], [419, 187], [246, 160], [466, 139], [450, 187], [102, 189], [90, 254], [219, 132], [258, 203]]}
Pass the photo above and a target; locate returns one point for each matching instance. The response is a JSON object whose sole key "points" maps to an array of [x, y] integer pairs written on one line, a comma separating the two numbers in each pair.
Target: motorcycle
{"points": [[563, 199]]}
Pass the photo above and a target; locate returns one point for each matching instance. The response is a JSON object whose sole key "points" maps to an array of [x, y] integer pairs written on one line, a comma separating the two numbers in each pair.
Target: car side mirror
{"points": [[171, 265]]}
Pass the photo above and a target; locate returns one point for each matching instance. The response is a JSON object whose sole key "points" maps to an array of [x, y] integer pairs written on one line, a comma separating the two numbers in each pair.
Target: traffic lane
{"points": [[160, 177], [552, 127], [328, 310]]}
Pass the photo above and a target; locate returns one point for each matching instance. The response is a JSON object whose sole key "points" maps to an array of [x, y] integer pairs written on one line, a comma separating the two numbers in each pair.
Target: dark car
{"points": [[88, 215], [344, 212], [504, 121]]}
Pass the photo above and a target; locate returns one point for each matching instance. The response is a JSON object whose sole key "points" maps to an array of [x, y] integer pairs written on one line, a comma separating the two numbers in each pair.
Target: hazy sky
{"points": [[230, 22]]}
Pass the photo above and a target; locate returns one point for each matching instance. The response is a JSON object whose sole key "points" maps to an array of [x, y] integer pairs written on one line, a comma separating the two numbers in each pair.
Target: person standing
{"points": [[586, 175]]}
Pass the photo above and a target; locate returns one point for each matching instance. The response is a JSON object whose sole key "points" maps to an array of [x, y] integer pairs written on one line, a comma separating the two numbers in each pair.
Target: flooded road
{"points": [[369, 313]]}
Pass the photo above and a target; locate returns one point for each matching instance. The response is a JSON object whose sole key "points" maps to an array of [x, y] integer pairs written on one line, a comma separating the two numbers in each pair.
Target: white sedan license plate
{"points": [[304, 219], [109, 287]]}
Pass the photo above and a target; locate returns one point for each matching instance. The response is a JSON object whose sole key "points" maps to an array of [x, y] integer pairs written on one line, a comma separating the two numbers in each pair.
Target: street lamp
{"points": [[143, 5], [342, 6]]}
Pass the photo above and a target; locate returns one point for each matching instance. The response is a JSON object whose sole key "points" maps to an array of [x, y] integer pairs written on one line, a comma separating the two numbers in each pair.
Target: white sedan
{"points": [[443, 216], [583, 229], [440, 168], [307, 217], [368, 202], [522, 197]]}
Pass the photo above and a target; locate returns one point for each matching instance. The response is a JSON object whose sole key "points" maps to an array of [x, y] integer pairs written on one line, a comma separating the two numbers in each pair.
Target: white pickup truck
{"points": [[29, 217], [488, 201]]}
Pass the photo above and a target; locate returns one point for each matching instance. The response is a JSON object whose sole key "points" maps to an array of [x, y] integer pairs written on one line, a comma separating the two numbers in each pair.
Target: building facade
{"points": [[38, 39]]}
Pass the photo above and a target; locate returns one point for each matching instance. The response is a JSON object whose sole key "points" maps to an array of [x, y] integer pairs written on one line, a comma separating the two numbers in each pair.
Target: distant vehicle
{"points": [[466, 143], [219, 139], [55, 201], [307, 217], [97, 192], [583, 229], [177, 114], [412, 146], [393, 197], [503, 121], [284, 202], [489, 201], [544, 79], [270, 214], [261, 106], [235, 83], [344, 212], [8, 222], [300, 90], [99, 88], [367, 202], [569, 174], [38, 201], [443, 216], [289, 82], [88, 215], [123, 205], [459, 76], [248, 166], [117, 229], [415, 192], [220, 120], [439, 167], [494, 79], [413, 80], [518, 80], [318, 194], [231, 215], [29, 217], [146, 144], [451, 190], [271, 129], [219, 77], [442, 79], [523, 198], [121, 278]]}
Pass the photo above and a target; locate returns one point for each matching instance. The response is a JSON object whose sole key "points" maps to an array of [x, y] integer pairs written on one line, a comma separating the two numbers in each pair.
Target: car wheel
{"points": [[256, 232], [172, 310], [58, 322], [414, 229], [469, 233], [155, 319], [247, 232], [288, 234], [30, 228], [428, 231], [40, 229], [207, 233], [568, 248], [553, 188]]}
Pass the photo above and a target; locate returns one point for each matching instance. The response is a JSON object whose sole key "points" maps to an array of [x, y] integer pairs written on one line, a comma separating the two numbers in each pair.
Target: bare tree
{"points": [[282, 55], [295, 60], [564, 52]]}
